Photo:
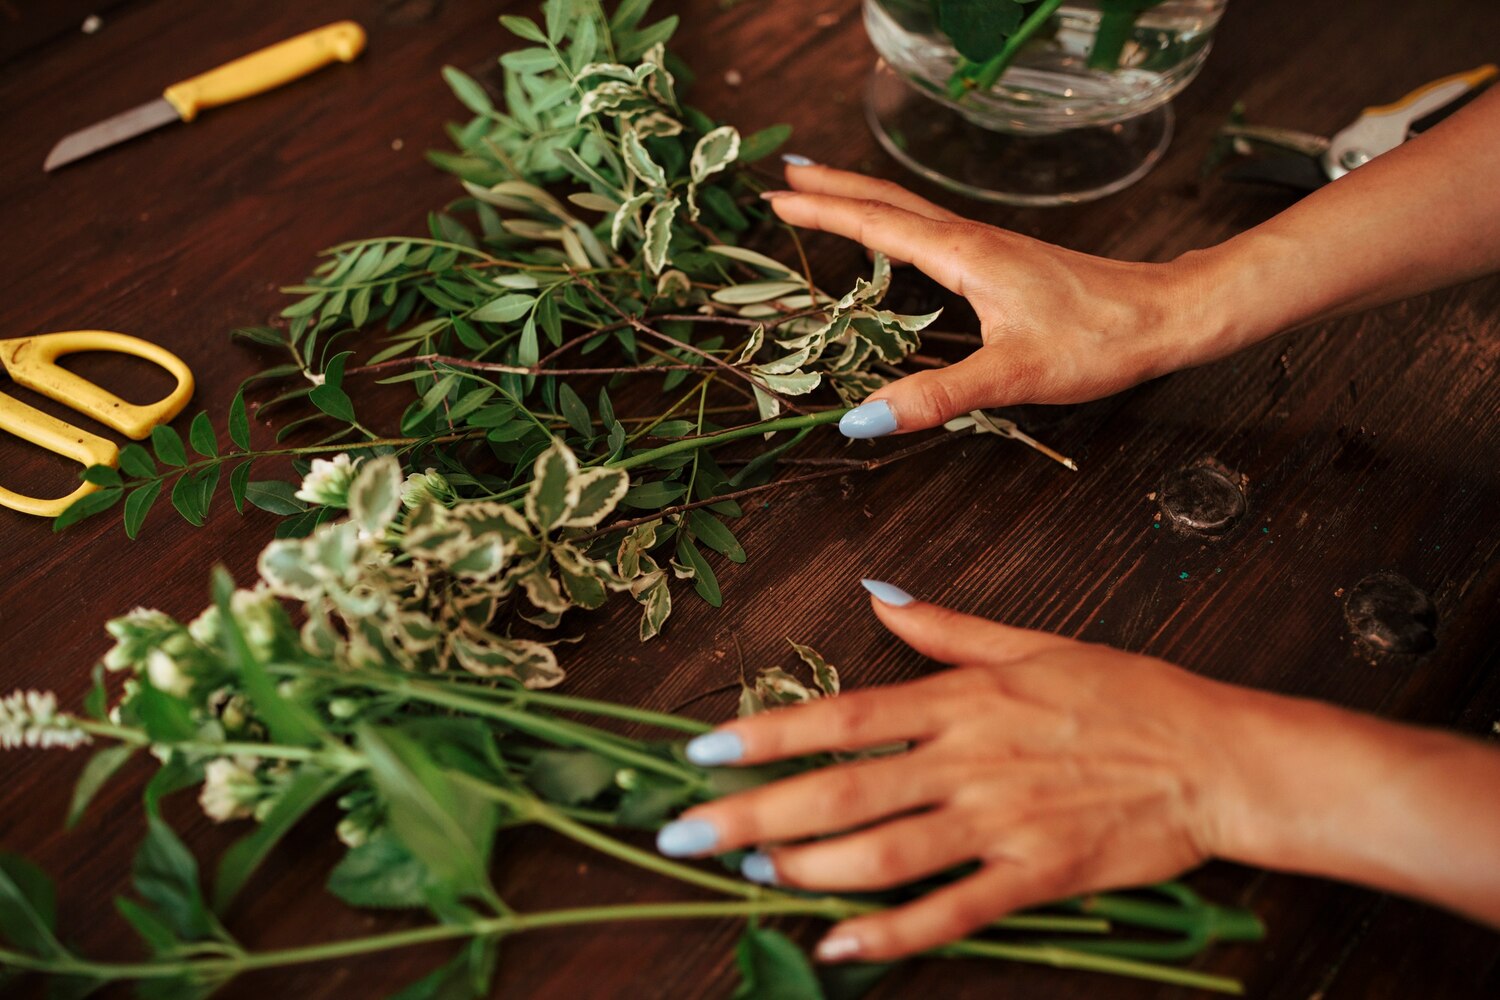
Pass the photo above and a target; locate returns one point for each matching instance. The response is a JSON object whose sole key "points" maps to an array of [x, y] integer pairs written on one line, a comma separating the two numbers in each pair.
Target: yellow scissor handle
{"points": [[32, 362], [31, 424], [267, 68]]}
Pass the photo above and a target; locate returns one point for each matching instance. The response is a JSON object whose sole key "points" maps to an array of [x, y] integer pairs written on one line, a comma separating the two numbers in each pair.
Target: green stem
{"points": [[272, 751], [732, 434], [1115, 27], [586, 706], [994, 67]]}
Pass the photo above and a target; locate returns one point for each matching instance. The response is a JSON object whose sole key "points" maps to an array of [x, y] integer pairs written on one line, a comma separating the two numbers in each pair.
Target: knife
{"points": [[247, 76]]}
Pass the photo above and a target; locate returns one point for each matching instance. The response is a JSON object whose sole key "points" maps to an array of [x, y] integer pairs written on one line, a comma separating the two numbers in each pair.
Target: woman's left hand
{"points": [[1058, 766]]}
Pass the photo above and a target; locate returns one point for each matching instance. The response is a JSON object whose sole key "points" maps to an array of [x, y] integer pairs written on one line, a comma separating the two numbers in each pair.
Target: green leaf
{"points": [[380, 873], [333, 401], [650, 496], [288, 721], [639, 162], [445, 825], [772, 967], [101, 766], [86, 506], [166, 718], [759, 145], [716, 535], [553, 491], [523, 28], [659, 234], [704, 581], [28, 907], [187, 498], [152, 930], [239, 481], [469, 91], [979, 28], [201, 436], [102, 475], [239, 862], [166, 876], [137, 461], [239, 422], [571, 777], [375, 494], [275, 497], [599, 490], [138, 505], [505, 309], [715, 151], [574, 411], [168, 445]]}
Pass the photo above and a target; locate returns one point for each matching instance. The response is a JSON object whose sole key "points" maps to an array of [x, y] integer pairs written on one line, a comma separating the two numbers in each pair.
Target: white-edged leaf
{"points": [[755, 291], [714, 152], [599, 490], [752, 258], [659, 234]]}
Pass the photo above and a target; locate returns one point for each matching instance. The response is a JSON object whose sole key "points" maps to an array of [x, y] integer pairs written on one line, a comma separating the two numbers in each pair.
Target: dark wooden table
{"points": [[1365, 444]]}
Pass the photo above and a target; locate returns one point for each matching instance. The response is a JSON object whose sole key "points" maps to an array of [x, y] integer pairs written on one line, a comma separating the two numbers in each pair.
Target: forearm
{"points": [[1423, 216], [1324, 791]]}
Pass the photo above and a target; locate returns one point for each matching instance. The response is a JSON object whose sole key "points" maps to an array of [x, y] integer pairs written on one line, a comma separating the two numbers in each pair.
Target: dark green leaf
{"points": [[28, 907], [288, 721], [466, 976], [87, 506], [166, 876], [274, 496], [333, 401], [137, 461], [239, 862], [758, 145], [101, 766], [138, 505], [239, 422], [201, 436], [772, 967], [979, 28], [102, 475], [380, 873], [716, 535], [168, 445], [165, 717], [239, 482], [574, 412], [571, 776], [704, 581], [152, 930], [650, 496], [188, 499]]}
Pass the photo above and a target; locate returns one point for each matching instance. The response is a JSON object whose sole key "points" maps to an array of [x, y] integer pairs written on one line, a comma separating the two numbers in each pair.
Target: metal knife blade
{"points": [[102, 135]]}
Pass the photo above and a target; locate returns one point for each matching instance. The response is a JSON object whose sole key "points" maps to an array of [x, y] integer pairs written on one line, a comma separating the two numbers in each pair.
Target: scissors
{"points": [[1306, 162], [32, 362]]}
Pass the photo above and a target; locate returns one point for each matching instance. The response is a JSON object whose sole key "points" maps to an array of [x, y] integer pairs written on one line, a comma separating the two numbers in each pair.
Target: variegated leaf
{"points": [[553, 492], [599, 490], [659, 234]]}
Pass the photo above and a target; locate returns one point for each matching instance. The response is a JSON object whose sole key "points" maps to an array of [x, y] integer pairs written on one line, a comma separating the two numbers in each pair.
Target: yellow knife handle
{"points": [[31, 424], [267, 68], [32, 362]]}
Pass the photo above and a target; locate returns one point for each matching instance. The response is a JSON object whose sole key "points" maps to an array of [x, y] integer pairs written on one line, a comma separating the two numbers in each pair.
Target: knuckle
{"points": [[933, 398], [845, 793], [849, 721]]}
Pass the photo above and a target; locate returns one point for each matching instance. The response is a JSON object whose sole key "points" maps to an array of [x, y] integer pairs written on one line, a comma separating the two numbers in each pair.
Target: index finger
{"points": [[938, 247], [862, 719]]}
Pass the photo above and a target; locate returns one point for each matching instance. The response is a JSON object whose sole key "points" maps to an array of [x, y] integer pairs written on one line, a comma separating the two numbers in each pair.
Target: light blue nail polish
{"points": [[797, 160], [868, 420], [887, 593], [687, 838], [758, 867], [715, 749]]}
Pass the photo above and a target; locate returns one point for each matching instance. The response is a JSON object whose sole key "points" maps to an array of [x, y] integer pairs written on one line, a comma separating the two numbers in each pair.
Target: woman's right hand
{"points": [[1058, 326]]}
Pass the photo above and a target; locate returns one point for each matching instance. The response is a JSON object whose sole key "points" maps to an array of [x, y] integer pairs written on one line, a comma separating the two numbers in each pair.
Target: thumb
{"points": [[950, 636], [988, 377]]}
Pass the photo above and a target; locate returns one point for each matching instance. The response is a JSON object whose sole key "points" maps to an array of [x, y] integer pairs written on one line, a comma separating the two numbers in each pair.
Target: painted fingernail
{"points": [[868, 420], [887, 593], [770, 195], [758, 867], [687, 838], [797, 160], [838, 948], [713, 749]]}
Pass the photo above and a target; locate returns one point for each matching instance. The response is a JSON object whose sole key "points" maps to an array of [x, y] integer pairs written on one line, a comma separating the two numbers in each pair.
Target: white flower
{"points": [[230, 789], [134, 634], [166, 675], [30, 718], [421, 487], [327, 482]]}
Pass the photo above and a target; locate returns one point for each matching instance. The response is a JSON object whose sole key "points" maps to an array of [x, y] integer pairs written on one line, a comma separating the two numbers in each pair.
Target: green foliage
{"points": [[772, 967]]}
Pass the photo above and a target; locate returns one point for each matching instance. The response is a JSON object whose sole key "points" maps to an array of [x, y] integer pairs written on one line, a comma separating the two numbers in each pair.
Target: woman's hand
{"points": [[1061, 768], [1058, 326]]}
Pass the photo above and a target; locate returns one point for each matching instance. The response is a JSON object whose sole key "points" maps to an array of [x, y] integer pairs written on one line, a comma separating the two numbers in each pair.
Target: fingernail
{"points": [[687, 838], [868, 420], [837, 948], [797, 160], [758, 867], [887, 593], [769, 195], [713, 749]]}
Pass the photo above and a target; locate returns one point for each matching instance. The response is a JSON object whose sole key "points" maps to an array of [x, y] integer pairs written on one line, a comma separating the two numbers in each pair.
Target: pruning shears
{"points": [[1305, 162]]}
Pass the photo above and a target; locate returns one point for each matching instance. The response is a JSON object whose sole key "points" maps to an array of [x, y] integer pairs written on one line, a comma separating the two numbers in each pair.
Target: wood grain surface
{"points": [[1365, 444]]}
